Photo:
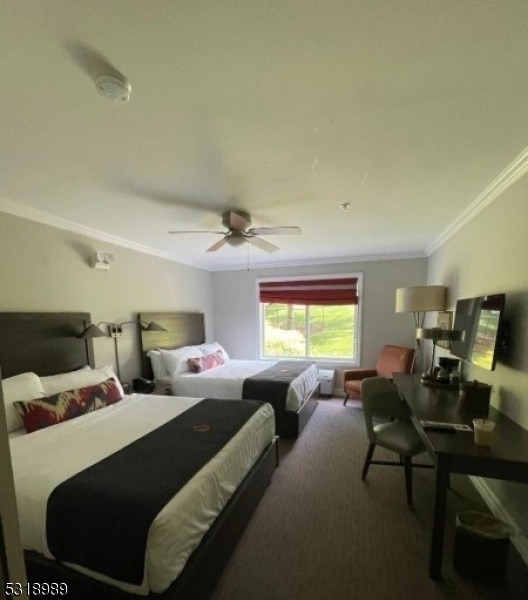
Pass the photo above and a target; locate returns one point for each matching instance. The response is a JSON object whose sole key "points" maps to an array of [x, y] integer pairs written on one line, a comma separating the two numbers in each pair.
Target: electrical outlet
{"points": [[115, 330]]}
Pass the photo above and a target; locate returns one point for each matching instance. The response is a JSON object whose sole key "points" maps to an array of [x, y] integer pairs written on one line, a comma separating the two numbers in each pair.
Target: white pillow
{"points": [[214, 347], [158, 366], [75, 380], [176, 360], [23, 387]]}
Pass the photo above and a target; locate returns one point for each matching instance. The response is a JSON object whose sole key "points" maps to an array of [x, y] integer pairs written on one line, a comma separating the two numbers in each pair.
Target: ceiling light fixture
{"points": [[235, 238], [112, 87]]}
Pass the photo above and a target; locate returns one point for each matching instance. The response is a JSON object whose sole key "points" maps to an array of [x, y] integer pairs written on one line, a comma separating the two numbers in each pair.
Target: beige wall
{"points": [[489, 256], [47, 269], [236, 314]]}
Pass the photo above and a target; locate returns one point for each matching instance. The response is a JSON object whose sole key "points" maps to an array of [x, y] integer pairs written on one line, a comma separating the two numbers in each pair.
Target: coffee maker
{"points": [[448, 370]]}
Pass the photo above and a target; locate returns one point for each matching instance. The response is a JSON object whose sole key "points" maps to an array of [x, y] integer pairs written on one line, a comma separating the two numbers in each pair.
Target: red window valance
{"points": [[310, 291]]}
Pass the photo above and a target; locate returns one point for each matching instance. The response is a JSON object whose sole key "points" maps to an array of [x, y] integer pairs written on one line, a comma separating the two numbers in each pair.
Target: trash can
{"points": [[482, 544]]}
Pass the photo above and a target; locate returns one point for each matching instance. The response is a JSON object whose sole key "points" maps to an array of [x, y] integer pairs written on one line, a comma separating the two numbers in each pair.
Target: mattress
{"points": [[227, 380], [45, 458]]}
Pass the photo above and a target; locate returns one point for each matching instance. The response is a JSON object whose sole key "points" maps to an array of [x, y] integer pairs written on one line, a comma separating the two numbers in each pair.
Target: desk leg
{"points": [[440, 500]]}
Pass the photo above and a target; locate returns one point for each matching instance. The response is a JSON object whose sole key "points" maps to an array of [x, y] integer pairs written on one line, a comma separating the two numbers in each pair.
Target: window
{"points": [[310, 318]]}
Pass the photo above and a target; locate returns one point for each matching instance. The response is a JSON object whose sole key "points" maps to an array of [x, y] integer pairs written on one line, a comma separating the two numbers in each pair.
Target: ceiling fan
{"points": [[238, 232]]}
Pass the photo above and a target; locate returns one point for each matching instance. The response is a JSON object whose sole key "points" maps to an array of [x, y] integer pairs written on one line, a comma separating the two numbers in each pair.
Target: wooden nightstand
{"points": [[147, 386]]}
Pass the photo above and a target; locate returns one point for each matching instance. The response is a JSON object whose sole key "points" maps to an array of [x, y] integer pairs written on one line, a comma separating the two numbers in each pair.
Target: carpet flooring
{"points": [[320, 533]]}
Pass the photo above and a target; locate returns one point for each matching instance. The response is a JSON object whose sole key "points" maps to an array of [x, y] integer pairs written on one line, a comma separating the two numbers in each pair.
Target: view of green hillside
{"points": [[313, 331]]}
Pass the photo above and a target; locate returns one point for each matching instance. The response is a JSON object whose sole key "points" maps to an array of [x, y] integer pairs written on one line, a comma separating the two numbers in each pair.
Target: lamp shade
{"points": [[92, 331], [421, 298], [152, 326]]}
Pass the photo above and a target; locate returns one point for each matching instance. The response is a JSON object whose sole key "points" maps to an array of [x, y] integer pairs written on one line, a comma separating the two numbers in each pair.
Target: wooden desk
{"points": [[506, 458]]}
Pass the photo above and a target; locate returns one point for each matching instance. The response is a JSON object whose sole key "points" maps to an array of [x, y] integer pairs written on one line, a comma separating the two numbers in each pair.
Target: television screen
{"points": [[480, 319]]}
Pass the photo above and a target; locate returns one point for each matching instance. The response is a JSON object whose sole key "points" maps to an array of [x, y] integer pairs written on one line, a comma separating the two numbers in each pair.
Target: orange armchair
{"points": [[392, 359]]}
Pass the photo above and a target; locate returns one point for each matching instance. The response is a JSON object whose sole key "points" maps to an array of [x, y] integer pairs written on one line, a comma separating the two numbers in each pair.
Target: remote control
{"points": [[437, 426], [447, 427]]}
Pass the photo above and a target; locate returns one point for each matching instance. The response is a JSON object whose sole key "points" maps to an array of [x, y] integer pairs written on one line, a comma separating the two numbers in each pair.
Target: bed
{"points": [[48, 478], [292, 387]]}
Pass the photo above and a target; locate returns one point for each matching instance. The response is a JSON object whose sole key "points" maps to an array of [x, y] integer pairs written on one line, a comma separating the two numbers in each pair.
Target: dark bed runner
{"points": [[100, 517], [272, 384]]}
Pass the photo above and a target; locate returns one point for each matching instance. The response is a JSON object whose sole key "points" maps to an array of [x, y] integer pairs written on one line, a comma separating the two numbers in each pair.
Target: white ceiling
{"points": [[285, 108]]}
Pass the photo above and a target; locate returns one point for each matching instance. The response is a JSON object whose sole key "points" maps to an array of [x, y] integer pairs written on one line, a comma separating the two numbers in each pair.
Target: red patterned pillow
{"points": [[204, 363], [43, 412]]}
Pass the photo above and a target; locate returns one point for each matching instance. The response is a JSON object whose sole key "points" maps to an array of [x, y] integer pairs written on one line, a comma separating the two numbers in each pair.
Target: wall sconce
{"points": [[418, 300], [115, 330], [103, 260]]}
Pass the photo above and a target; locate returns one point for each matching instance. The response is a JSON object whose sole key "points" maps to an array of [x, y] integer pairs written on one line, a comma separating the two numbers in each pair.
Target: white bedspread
{"points": [[45, 458], [226, 381]]}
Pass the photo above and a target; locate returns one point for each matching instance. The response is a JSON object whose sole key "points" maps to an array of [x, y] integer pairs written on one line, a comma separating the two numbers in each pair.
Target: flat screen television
{"points": [[481, 320]]}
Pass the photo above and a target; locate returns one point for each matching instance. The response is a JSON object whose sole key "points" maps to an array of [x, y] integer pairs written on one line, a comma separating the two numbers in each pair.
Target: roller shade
{"points": [[310, 291]]}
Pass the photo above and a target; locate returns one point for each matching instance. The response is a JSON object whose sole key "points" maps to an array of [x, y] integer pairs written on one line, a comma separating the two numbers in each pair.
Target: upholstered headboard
{"points": [[45, 343], [182, 329]]}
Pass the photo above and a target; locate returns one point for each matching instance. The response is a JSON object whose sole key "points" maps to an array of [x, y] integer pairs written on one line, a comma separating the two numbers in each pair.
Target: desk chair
{"points": [[389, 426]]}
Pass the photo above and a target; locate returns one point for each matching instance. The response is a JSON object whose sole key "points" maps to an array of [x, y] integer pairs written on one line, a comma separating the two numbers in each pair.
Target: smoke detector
{"points": [[113, 88]]}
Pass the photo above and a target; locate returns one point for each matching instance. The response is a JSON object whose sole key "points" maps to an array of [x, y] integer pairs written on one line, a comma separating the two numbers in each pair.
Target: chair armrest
{"points": [[356, 374]]}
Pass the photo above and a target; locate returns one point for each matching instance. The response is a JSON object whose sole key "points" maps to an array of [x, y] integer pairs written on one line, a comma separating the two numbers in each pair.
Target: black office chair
{"points": [[389, 426]]}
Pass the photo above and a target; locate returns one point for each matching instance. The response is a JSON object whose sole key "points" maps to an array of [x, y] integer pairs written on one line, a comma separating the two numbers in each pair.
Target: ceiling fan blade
{"points": [[164, 197], [262, 244], [275, 231], [217, 245], [200, 231]]}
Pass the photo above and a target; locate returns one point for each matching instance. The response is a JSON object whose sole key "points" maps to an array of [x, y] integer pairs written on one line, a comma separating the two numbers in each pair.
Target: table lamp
{"points": [[419, 300]]}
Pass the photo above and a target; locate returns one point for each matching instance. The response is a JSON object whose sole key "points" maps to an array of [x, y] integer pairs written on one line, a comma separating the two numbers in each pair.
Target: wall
{"points": [[485, 257], [47, 269], [236, 312]]}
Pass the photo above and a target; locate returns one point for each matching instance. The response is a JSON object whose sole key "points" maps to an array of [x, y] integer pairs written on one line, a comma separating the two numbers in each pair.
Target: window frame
{"points": [[353, 362]]}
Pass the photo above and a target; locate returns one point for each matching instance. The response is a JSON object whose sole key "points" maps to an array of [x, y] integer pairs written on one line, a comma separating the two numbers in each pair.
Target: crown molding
{"points": [[320, 261], [513, 172], [517, 169], [25, 212]]}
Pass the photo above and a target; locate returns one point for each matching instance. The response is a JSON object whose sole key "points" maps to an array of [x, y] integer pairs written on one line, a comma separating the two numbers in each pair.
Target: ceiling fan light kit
{"points": [[235, 239], [113, 88]]}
